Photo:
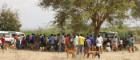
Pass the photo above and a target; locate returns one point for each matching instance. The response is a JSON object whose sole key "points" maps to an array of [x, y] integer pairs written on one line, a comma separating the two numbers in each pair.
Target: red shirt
{"points": [[67, 40], [3, 40], [24, 42]]}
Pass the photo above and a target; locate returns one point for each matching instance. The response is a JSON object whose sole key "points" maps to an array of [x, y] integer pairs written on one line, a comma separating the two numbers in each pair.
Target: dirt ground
{"points": [[36, 55]]}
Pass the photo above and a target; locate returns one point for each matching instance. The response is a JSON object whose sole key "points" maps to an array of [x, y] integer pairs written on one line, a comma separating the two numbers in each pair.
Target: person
{"points": [[0, 42], [76, 44], [3, 41], [52, 42], [67, 41], [133, 41], [89, 43], [56, 42], [99, 42], [59, 39], [13, 42], [92, 40], [32, 40], [130, 44], [24, 43], [120, 44], [28, 40], [20, 41], [63, 42], [60, 44], [81, 43], [108, 45], [17, 41], [115, 43], [42, 42]]}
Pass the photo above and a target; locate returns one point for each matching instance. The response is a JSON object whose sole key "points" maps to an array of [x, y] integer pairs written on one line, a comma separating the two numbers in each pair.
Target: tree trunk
{"points": [[62, 28], [96, 31], [97, 22]]}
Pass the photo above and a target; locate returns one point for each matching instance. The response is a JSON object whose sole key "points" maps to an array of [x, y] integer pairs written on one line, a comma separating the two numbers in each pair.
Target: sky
{"points": [[32, 16]]}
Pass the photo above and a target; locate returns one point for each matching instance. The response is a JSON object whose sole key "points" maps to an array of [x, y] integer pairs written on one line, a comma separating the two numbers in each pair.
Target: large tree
{"points": [[97, 11], [136, 10], [9, 20]]}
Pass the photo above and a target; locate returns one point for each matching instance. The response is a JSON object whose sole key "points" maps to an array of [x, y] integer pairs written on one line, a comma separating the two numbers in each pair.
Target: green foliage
{"points": [[136, 10], [98, 11], [9, 20]]}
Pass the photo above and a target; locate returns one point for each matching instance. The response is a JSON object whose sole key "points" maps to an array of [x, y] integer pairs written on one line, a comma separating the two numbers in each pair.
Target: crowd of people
{"points": [[60, 42]]}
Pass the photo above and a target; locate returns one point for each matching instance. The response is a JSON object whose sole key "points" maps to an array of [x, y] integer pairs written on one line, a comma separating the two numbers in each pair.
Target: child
{"points": [[108, 45]]}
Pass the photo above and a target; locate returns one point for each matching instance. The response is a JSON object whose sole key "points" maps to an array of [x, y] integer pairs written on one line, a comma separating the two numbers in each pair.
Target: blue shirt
{"points": [[92, 40], [52, 40]]}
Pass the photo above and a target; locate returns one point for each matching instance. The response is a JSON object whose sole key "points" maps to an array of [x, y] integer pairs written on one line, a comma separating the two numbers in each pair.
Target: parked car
{"points": [[9, 35]]}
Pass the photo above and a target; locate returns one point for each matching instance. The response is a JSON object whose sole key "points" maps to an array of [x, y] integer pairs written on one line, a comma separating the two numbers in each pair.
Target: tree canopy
{"points": [[95, 11], [9, 20]]}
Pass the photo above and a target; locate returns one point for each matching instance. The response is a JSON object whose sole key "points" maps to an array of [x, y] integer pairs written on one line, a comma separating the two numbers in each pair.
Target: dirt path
{"points": [[35, 55]]}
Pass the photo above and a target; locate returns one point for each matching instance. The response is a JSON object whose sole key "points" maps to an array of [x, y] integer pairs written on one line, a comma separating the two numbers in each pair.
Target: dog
{"points": [[70, 51], [93, 52], [6, 46]]}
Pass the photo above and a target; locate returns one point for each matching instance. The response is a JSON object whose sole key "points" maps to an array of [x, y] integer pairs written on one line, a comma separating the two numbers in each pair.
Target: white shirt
{"points": [[121, 41], [99, 40], [76, 40]]}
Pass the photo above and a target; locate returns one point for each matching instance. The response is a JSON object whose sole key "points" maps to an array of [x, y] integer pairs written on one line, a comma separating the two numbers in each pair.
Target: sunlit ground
{"points": [[36, 55]]}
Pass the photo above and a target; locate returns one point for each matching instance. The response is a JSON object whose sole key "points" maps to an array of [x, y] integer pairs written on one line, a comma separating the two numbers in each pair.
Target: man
{"points": [[92, 40], [81, 43], [115, 43], [130, 43], [32, 39], [76, 44], [42, 42], [59, 39], [99, 43], [89, 43], [17, 41], [52, 41], [62, 40]]}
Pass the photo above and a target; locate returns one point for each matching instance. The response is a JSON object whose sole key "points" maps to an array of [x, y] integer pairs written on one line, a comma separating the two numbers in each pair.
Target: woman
{"points": [[24, 42]]}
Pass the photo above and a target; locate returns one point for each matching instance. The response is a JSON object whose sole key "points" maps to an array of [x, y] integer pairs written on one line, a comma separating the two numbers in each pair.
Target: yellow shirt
{"points": [[81, 40]]}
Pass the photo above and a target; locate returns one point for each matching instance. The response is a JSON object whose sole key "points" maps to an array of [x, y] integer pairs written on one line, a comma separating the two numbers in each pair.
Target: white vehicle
{"points": [[9, 35], [110, 35], [20, 33]]}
